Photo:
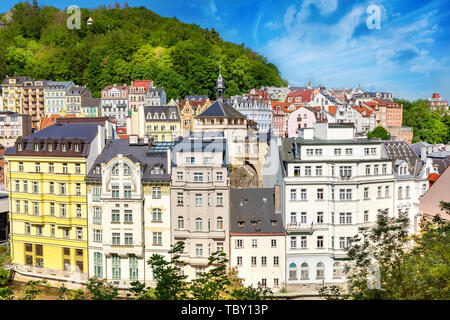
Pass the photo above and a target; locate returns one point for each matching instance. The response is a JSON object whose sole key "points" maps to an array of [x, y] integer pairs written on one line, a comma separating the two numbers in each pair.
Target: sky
{"points": [[398, 46]]}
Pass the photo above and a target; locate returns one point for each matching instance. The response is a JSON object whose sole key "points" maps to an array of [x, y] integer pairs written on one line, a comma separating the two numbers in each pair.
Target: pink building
{"points": [[12, 126], [429, 205], [138, 92], [279, 119], [303, 117]]}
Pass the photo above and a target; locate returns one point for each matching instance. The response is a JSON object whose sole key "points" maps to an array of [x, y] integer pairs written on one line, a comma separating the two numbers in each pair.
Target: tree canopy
{"points": [[379, 132], [126, 44]]}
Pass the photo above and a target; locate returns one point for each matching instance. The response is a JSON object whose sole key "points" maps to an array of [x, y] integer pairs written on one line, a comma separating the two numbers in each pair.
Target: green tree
{"points": [[32, 290], [379, 132], [170, 284]]}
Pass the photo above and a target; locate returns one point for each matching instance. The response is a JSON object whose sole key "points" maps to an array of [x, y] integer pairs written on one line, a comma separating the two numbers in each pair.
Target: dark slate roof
{"points": [[196, 97], [441, 160], [257, 206], [19, 81], [67, 130], [220, 109], [400, 150], [167, 110], [138, 153]]}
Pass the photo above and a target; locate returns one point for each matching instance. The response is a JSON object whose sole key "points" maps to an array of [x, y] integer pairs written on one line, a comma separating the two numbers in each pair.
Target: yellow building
{"points": [[12, 93], [162, 123], [189, 109], [47, 191]]}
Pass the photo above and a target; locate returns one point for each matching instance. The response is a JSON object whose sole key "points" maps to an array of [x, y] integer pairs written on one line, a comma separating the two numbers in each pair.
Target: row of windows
{"points": [[51, 147], [39, 231], [344, 194], [199, 224], [116, 263], [51, 187], [64, 168], [253, 261], [320, 271], [199, 199], [198, 176], [36, 208], [239, 243], [344, 242], [344, 171]]}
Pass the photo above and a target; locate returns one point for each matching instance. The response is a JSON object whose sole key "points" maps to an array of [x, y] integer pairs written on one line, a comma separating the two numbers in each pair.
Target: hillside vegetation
{"points": [[126, 44]]}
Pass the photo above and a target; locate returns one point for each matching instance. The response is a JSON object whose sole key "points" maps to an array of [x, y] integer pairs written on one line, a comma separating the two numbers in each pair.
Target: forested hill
{"points": [[126, 44]]}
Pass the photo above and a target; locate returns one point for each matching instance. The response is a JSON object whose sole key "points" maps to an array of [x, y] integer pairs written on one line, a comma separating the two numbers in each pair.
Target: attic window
{"points": [[64, 147], [36, 147], [149, 116], [274, 222], [77, 147], [241, 223], [254, 222], [157, 170], [172, 115], [50, 147], [163, 116], [97, 170], [264, 200], [155, 116], [20, 147]]}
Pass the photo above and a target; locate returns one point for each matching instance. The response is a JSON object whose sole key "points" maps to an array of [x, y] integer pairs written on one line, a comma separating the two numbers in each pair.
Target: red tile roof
{"points": [[364, 111], [332, 110]]}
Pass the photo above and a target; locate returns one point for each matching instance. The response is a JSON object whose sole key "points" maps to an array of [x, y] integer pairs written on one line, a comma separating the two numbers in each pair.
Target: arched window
{"points": [[337, 270], [292, 271], [219, 223], [304, 269], [180, 222], [198, 224], [126, 170], [156, 214], [320, 271], [115, 170]]}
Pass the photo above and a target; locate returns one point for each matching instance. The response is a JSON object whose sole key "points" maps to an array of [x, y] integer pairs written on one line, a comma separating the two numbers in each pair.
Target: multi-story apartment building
{"points": [[279, 118], [12, 126], [114, 103], [90, 107], [12, 93], [129, 211], [411, 179], [259, 111], [200, 197], [161, 123], [257, 237], [47, 190], [189, 109], [75, 99], [55, 96], [332, 184], [156, 97], [137, 93], [33, 100]]}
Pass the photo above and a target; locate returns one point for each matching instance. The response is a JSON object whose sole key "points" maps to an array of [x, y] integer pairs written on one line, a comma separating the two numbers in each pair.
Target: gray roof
{"points": [[417, 146], [167, 110], [196, 97], [252, 211], [220, 109], [205, 143], [400, 150], [138, 153]]}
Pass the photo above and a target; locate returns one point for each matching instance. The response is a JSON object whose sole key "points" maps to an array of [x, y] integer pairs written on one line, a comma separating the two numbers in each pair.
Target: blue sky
{"points": [[327, 41]]}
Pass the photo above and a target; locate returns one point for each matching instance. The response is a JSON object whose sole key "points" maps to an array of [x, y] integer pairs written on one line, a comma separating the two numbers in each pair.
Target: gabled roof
{"points": [[332, 110], [305, 95], [400, 150], [220, 109], [364, 111]]}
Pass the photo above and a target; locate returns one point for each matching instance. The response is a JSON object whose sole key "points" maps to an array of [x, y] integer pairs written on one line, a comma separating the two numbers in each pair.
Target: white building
{"points": [[128, 210], [332, 184], [255, 110], [257, 237], [55, 96], [155, 97], [114, 103]]}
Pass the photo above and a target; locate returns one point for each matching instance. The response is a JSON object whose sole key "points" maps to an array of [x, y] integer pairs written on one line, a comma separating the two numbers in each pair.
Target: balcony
{"points": [[300, 227]]}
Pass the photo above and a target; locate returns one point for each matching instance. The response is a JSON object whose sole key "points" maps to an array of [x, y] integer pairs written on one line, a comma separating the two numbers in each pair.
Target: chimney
{"points": [[277, 202], [423, 153]]}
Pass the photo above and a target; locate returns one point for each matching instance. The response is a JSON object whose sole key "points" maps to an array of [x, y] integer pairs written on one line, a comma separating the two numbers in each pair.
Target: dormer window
{"points": [[126, 170], [241, 223], [172, 115], [149, 116], [50, 147], [20, 147], [64, 147], [36, 147], [157, 170], [115, 170], [97, 170], [163, 116], [77, 147]]}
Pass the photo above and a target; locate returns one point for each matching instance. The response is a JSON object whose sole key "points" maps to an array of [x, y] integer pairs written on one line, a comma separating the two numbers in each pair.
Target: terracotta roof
{"points": [[332, 110], [305, 95], [365, 112], [47, 122]]}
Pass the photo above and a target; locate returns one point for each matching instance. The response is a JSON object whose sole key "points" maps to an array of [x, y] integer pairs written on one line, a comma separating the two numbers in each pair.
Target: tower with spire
{"points": [[220, 86]]}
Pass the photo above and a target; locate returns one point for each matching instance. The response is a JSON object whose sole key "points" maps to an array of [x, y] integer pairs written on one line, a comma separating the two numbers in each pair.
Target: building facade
{"points": [[33, 100], [12, 93], [129, 211], [200, 197], [114, 103], [55, 96], [332, 184], [256, 110], [46, 176], [12, 126], [156, 97]]}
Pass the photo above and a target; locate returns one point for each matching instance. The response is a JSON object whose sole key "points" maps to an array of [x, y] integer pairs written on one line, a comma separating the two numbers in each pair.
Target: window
{"points": [[79, 233], [319, 171], [320, 271], [219, 176], [97, 235], [66, 232], [36, 208], [128, 216], [319, 217], [115, 170], [319, 241], [424, 188], [273, 243], [180, 198], [263, 261], [366, 151], [308, 171], [348, 152], [116, 239], [128, 239], [62, 188], [303, 243], [292, 271], [379, 192], [18, 206], [367, 170], [78, 189], [239, 261], [293, 242], [386, 191], [318, 152], [98, 265], [51, 167], [127, 191], [190, 160], [198, 199], [77, 168], [366, 215], [219, 199], [297, 171], [126, 170], [293, 194], [78, 210], [375, 169], [303, 194], [384, 169], [156, 192], [407, 192], [198, 177], [133, 264], [156, 214], [304, 271], [309, 152], [319, 194], [220, 246], [219, 222], [115, 191], [157, 238], [254, 243], [345, 171], [115, 216], [64, 147], [198, 224], [64, 167], [35, 187], [180, 176], [337, 152], [303, 217], [115, 267], [199, 250], [39, 230], [253, 261], [20, 166], [38, 167]]}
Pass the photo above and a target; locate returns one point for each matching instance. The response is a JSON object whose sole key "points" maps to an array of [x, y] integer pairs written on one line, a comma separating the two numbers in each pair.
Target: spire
{"points": [[220, 86], [309, 85]]}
